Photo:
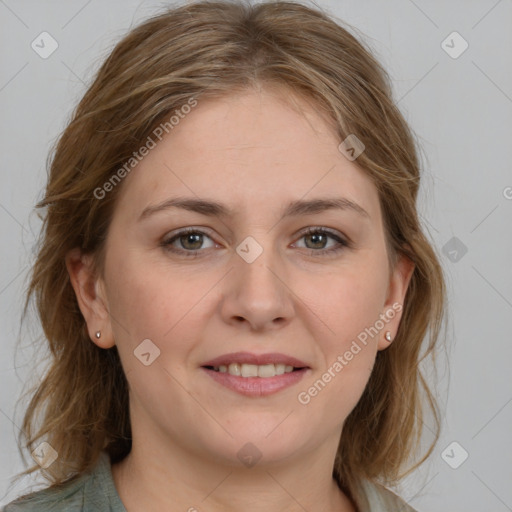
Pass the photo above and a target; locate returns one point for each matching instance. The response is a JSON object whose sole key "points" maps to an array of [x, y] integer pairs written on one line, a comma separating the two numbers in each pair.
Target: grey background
{"points": [[461, 110]]}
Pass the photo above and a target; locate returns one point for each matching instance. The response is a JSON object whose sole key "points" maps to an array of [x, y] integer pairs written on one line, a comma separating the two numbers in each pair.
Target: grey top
{"points": [[95, 492]]}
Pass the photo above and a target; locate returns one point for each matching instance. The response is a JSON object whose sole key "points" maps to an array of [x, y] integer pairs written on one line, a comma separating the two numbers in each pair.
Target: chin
{"points": [[256, 441]]}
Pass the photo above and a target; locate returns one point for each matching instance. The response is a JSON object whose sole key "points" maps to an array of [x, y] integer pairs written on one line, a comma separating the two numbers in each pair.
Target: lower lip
{"points": [[257, 386]]}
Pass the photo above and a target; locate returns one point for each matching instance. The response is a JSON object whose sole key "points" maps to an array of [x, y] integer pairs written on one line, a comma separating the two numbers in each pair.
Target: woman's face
{"points": [[250, 280]]}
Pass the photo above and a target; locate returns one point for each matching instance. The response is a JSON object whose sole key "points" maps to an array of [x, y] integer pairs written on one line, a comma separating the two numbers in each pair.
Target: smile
{"points": [[256, 386], [253, 370]]}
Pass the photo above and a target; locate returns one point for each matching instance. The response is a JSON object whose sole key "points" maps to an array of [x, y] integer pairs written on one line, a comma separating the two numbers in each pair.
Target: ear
{"points": [[91, 297], [393, 307]]}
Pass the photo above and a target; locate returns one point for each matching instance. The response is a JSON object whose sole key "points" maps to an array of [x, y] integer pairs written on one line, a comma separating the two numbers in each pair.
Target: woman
{"points": [[232, 276]]}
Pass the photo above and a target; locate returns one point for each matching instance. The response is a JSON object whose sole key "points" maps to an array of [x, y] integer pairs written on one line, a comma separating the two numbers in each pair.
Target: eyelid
{"points": [[177, 233], [344, 241], [323, 229]]}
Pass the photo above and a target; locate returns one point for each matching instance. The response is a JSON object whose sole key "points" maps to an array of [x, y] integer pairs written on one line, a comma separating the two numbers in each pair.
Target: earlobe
{"points": [[393, 308], [90, 297]]}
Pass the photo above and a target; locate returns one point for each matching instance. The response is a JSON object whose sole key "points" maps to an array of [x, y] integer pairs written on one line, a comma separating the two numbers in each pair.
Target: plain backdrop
{"points": [[455, 90]]}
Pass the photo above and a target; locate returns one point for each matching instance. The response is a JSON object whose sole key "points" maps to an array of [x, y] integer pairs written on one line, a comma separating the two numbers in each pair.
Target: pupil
{"points": [[190, 237], [316, 236]]}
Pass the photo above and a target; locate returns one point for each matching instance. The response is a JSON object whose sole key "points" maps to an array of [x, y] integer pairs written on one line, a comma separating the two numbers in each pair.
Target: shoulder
{"points": [[89, 492], [374, 497], [68, 496]]}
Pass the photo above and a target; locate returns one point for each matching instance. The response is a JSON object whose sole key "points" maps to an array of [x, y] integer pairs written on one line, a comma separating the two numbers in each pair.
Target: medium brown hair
{"points": [[207, 50]]}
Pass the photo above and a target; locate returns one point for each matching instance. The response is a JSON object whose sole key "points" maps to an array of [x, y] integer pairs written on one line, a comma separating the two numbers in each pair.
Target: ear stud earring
{"points": [[388, 336], [98, 334]]}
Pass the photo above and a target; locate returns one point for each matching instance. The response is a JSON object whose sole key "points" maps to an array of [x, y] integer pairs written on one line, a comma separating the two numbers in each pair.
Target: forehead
{"points": [[256, 148]]}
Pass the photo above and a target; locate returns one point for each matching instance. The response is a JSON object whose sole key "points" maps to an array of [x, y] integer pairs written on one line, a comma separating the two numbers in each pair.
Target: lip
{"points": [[256, 386], [258, 359]]}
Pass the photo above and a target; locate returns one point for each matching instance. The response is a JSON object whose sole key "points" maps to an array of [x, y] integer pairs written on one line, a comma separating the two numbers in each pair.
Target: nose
{"points": [[257, 295]]}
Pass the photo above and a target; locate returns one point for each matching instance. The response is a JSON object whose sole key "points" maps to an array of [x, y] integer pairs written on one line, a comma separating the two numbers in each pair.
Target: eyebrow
{"points": [[294, 208]]}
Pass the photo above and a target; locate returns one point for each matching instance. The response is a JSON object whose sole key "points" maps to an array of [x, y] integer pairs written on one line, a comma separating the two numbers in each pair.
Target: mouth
{"points": [[256, 375], [264, 371]]}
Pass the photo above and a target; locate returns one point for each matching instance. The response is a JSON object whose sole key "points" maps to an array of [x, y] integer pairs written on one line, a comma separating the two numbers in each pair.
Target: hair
{"points": [[209, 50]]}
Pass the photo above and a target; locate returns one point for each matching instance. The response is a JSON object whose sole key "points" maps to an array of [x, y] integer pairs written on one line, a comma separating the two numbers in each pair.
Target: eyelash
{"points": [[343, 244]]}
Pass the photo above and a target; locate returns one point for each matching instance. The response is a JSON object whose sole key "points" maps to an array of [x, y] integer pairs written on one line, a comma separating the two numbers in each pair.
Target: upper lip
{"points": [[257, 359]]}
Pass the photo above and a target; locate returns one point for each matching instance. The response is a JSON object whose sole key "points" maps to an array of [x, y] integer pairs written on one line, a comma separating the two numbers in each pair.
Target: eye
{"points": [[318, 238], [188, 242]]}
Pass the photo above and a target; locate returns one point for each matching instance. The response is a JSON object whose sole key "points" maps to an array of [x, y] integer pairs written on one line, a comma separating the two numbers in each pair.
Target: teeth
{"points": [[234, 369], [280, 368], [253, 370]]}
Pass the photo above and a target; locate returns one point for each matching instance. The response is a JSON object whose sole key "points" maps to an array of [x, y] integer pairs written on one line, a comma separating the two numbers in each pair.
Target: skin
{"points": [[254, 152]]}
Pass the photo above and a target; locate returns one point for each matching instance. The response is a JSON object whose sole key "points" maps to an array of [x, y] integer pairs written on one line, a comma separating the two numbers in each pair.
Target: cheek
{"points": [[349, 300], [335, 387], [349, 304], [150, 301], [148, 297], [146, 304], [142, 304]]}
